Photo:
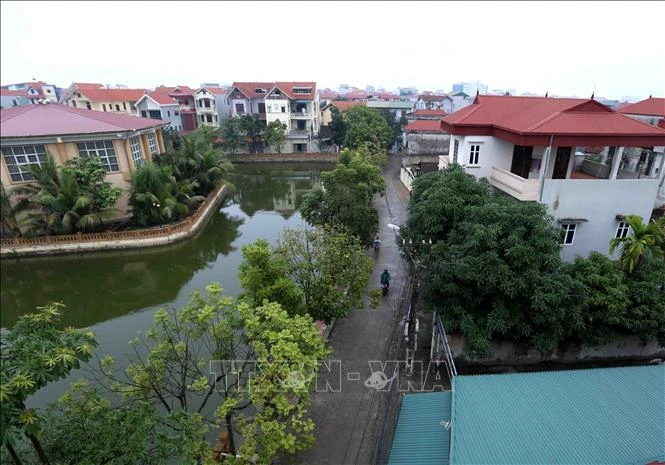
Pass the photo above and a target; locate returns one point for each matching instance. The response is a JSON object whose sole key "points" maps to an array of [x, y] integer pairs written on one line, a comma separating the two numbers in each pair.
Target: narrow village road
{"points": [[347, 422]]}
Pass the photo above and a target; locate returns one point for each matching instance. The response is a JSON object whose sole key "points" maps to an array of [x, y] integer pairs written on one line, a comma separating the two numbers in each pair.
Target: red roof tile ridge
{"points": [[92, 116], [543, 121]]}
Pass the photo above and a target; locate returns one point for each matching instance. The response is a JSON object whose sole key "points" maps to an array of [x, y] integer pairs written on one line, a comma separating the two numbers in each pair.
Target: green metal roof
{"points": [[420, 438], [609, 416]]}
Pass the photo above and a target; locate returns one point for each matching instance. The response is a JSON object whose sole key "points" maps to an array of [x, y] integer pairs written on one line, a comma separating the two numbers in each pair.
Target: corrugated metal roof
{"points": [[609, 416], [420, 438]]}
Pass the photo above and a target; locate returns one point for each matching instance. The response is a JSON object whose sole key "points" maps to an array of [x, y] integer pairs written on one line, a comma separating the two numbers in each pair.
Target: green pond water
{"points": [[117, 294]]}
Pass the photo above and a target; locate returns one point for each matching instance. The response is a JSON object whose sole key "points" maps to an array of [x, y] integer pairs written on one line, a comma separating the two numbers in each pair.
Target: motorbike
{"points": [[384, 287]]}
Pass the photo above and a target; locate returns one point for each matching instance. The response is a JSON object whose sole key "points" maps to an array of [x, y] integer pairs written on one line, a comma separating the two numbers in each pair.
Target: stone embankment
{"points": [[113, 240]]}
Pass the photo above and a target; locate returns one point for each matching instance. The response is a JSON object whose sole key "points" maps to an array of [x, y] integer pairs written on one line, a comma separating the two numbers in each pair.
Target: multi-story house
{"points": [[159, 105], [185, 98], [211, 106], [100, 98], [533, 149], [13, 98], [295, 104], [35, 92], [122, 142], [435, 102]]}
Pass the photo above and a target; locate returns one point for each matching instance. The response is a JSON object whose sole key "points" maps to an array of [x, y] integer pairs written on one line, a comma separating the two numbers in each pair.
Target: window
{"points": [[168, 113], [302, 90], [104, 108], [622, 230], [455, 150], [74, 103], [283, 109], [117, 107], [474, 151], [19, 158], [176, 113], [143, 114], [568, 233], [152, 143], [103, 149], [240, 108], [137, 153], [88, 106], [124, 105]]}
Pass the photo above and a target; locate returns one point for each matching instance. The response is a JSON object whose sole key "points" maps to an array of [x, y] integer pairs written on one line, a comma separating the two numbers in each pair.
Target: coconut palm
{"points": [[644, 241], [8, 213], [58, 204]]}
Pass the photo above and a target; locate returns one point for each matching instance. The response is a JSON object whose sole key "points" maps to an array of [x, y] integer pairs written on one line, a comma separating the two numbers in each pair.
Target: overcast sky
{"points": [[568, 48]]}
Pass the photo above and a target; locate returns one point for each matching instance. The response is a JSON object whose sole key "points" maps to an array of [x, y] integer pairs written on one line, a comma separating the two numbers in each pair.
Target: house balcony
{"points": [[210, 110], [299, 134], [517, 186], [300, 115]]}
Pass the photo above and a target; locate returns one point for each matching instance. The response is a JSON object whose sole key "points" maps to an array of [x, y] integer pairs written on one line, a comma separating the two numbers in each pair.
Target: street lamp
{"points": [[159, 215]]}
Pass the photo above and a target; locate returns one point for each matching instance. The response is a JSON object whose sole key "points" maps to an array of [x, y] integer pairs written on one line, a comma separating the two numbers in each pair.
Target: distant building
{"points": [[156, 105], [184, 95], [210, 84], [100, 98], [34, 92], [13, 98], [211, 106], [435, 102], [470, 88]]}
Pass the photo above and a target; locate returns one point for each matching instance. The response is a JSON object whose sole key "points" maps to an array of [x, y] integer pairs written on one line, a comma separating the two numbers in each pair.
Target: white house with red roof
{"points": [[211, 106], [295, 104], [93, 96], [122, 142], [533, 149], [160, 105]]}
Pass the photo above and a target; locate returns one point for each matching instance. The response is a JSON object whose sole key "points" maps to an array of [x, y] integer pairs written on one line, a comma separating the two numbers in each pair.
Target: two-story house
{"points": [[248, 98], [434, 102], [211, 106], [122, 142], [528, 148], [100, 98]]}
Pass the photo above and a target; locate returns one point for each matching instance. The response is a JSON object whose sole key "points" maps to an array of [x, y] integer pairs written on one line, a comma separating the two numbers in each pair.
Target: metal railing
{"points": [[440, 348]]}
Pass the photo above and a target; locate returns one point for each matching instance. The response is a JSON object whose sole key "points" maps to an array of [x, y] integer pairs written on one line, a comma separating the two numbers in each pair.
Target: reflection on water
{"points": [[117, 293]]}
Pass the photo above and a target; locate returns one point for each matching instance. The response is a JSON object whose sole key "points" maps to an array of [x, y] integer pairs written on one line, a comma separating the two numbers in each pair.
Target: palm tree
{"points": [[8, 213], [57, 204], [645, 241]]}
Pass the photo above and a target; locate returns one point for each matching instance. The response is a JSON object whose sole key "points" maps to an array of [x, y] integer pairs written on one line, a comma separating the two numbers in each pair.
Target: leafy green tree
{"points": [[330, 268], [347, 197], [265, 275], [157, 198], [644, 241], [275, 134], [231, 134], [605, 303], [34, 353], [67, 199], [337, 126], [646, 291], [391, 120], [365, 126], [169, 370], [498, 274], [85, 428], [8, 213], [252, 128]]}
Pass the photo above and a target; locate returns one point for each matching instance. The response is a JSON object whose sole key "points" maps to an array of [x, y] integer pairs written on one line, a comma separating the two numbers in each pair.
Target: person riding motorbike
{"points": [[385, 280], [377, 243]]}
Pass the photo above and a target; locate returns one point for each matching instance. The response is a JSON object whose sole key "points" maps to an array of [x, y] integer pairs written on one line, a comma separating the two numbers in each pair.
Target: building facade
{"points": [[99, 98], [534, 148], [211, 106], [160, 106], [122, 142], [470, 88]]}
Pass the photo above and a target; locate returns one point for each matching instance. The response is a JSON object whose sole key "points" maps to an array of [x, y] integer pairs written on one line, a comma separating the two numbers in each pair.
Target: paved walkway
{"points": [[347, 422]]}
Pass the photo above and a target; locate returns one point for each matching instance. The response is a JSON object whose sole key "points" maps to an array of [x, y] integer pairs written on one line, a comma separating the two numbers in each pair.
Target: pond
{"points": [[117, 293]]}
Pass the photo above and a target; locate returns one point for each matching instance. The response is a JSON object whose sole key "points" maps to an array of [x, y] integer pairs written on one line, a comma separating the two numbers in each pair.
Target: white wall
{"points": [[493, 152], [598, 201], [274, 112]]}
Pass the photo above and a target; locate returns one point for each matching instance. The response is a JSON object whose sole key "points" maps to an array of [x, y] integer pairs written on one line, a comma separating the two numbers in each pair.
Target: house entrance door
{"points": [[561, 162]]}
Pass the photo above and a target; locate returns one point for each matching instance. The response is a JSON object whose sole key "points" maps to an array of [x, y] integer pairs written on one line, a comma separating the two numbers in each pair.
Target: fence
{"points": [[149, 233], [440, 349]]}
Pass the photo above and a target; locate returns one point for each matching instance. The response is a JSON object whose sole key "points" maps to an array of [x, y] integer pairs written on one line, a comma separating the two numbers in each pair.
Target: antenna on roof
{"points": [[651, 95], [594, 91], [547, 93]]}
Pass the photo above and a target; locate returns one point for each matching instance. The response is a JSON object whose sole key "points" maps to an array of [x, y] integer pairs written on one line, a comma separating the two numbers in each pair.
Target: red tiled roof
{"points": [[356, 95], [112, 95], [288, 89], [177, 90], [433, 98], [545, 117], [430, 113], [248, 89], [328, 94], [162, 98], [424, 125], [344, 105], [55, 119], [12, 93], [87, 85], [216, 90], [649, 107]]}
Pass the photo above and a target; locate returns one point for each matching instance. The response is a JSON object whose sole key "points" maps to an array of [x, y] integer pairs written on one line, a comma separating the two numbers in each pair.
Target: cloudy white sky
{"points": [[568, 48]]}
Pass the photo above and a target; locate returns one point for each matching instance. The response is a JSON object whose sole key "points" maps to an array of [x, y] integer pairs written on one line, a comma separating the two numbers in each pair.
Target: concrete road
{"points": [[347, 421]]}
